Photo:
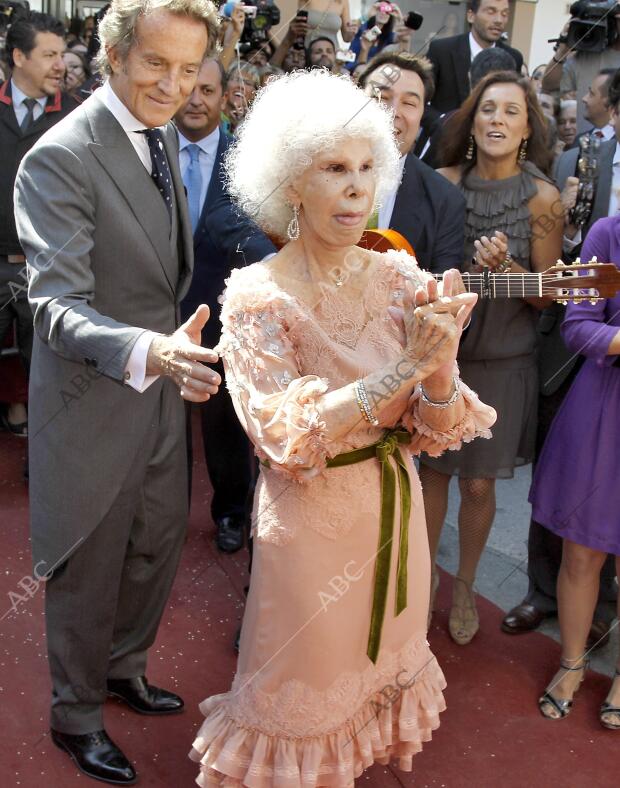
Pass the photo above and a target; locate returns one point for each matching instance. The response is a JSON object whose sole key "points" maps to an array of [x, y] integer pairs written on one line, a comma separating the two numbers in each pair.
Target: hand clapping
{"points": [[491, 252], [181, 358]]}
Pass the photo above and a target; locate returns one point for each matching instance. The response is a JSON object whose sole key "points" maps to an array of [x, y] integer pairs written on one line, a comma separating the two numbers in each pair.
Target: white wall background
{"points": [[549, 19]]}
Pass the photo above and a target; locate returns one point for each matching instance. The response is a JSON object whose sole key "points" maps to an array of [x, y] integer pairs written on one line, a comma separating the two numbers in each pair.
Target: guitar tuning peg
{"points": [[564, 303], [560, 264], [577, 261], [593, 301]]}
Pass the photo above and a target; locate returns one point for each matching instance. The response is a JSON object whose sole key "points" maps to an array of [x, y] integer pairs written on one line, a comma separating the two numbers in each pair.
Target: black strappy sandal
{"points": [[608, 708], [562, 706]]}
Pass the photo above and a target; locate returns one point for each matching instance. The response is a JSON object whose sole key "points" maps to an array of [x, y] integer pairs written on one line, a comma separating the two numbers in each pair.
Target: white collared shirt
{"points": [[135, 370], [607, 131], [474, 46], [387, 209], [129, 123], [208, 151], [614, 197], [21, 110]]}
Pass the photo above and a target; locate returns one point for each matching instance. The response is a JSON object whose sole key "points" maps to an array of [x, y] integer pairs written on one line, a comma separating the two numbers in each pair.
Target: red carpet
{"points": [[492, 733]]}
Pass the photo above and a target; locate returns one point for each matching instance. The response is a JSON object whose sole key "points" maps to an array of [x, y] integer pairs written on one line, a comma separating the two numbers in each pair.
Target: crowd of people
{"points": [[272, 156]]}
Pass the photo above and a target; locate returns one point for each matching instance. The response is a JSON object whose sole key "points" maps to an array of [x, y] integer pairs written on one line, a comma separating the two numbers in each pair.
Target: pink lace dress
{"points": [[307, 707]]}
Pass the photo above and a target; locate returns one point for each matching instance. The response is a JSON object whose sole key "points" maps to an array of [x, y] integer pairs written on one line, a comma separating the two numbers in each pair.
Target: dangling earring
{"points": [[522, 151], [293, 226], [470, 148]]}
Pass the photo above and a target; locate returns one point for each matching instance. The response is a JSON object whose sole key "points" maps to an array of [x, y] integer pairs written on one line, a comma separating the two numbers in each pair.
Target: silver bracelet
{"points": [[363, 404], [445, 403]]}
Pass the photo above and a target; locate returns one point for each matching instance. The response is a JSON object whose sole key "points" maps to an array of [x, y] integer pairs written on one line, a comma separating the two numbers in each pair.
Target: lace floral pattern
{"points": [[297, 710]]}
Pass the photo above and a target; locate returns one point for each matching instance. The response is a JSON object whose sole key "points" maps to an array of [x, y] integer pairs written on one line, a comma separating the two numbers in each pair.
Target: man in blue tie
{"points": [[223, 240]]}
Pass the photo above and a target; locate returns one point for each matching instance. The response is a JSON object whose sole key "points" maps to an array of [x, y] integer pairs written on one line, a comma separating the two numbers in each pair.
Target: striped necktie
{"points": [[28, 120]]}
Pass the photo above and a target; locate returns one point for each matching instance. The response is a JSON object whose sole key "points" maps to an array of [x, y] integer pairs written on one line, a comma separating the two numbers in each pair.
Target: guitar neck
{"points": [[489, 285]]}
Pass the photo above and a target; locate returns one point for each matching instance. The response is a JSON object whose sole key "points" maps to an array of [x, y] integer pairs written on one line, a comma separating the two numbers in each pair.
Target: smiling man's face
{"points": [[160, 70]]}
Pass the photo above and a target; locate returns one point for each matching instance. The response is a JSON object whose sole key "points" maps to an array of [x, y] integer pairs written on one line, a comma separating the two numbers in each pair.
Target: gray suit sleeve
{"points": [[565, 167], [55, 215]]}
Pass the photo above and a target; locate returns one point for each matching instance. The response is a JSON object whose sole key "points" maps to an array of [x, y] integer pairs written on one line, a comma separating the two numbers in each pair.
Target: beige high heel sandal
{"points": [[463, 623], [431, 602]]}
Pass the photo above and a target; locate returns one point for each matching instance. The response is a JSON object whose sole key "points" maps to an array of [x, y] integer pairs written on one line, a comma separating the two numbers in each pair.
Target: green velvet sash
{"points": [[387, 447]]}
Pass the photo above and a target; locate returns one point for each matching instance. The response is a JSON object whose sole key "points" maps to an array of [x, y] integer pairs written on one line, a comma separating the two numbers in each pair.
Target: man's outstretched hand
{"points": [[181, 358]]}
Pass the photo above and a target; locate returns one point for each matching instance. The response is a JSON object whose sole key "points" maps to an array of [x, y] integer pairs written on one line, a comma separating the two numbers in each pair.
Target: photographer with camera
{"points": [[588, 43], [384, 29]]}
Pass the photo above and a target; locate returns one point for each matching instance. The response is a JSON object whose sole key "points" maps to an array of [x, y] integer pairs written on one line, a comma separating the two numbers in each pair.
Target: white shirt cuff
{"points": [[135, 371], [568, 244]]}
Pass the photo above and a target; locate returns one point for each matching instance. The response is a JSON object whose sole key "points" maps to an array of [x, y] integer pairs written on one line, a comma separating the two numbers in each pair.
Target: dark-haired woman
{"points": [[495, 149]]}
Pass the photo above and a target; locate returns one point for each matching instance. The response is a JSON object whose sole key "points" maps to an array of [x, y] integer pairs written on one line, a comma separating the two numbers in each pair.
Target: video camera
{"points": [[11, 12], [592, 27], [260, 16]]}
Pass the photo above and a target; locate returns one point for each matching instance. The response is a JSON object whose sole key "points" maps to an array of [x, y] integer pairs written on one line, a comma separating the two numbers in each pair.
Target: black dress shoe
{"points": [[97, 756], [143, 697], [230, 531], [523, 618]]}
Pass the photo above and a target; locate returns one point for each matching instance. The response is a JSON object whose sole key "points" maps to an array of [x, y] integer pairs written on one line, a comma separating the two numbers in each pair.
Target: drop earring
{"points": [[293, 226], [470, 148], [522, 151]]}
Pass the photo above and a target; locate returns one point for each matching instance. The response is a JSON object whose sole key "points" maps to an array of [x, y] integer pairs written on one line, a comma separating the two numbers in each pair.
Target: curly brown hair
{"points": [[457, 131]]}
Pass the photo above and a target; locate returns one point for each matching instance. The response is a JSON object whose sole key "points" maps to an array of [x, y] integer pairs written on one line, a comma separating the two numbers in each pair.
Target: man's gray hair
{"points": [[118, 26]]}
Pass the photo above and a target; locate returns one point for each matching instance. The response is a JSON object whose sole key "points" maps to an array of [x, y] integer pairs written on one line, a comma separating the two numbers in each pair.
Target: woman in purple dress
{"points": [[575, 492]]}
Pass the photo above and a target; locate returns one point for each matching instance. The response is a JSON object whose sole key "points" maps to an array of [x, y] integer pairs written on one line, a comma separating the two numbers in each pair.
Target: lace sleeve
{"points": [[276, 406], [476, 423]]}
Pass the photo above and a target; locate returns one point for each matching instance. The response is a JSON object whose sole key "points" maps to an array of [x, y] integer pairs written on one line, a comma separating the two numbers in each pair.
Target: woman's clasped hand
{"points": [[432, 320]]}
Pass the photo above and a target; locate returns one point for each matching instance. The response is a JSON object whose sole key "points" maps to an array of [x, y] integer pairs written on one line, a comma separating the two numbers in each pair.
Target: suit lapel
{"points": [[7, 112], [603, 190], [117, 156], [406, 217], [461, 59]]}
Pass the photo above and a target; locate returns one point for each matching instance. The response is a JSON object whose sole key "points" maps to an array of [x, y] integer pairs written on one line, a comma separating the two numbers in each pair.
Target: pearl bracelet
{"points": [[445, 403], [363, 404]]}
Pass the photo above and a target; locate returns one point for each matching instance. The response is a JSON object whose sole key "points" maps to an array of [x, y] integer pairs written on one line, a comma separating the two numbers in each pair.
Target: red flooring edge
{"points": [[491, 734]]}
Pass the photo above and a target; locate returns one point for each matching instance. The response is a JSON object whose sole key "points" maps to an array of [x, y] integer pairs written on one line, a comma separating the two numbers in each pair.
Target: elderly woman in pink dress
{"points": [[341, 365]]}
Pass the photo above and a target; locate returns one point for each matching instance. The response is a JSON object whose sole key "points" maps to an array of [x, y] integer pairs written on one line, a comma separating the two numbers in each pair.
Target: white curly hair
{"points": [[293, 118]]}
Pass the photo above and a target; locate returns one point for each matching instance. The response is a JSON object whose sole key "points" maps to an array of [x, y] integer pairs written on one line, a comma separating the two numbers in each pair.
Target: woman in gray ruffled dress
{"points": [[495, 150]]}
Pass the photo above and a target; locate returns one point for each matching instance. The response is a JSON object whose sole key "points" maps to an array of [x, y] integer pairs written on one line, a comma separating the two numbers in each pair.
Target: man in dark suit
{"points": [[30, 104], [452, 57], [558, 368], [223, 239], [425, 208], [596, 108]]}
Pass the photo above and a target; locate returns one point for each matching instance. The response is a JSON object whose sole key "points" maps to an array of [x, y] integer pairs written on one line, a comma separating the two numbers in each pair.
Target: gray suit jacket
{"points": [[556, 362], [102, 270]]}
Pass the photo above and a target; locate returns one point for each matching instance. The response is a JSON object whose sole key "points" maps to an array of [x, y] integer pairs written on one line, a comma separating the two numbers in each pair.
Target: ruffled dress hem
{"points": [[387, 726]]}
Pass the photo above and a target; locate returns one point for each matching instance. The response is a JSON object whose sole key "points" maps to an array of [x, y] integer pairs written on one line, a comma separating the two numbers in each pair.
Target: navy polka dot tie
{"points": [[160, 170]]}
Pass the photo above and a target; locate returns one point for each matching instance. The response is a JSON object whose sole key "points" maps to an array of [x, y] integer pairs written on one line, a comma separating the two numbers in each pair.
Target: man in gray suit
{"points": [[558, 367], [103, 221]]}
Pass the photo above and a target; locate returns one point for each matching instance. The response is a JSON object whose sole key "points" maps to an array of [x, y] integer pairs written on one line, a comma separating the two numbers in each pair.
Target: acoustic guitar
{"points": [[591, 281]]}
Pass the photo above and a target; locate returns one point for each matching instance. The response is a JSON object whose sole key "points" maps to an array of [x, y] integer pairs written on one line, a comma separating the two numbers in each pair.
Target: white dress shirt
{"points": [[474, 46], [387, 209], [208, 151], [606, 133], [135, 371], [21, 110]]}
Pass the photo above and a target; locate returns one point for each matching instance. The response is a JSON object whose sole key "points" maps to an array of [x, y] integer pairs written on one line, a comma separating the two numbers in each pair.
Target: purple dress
{"points": [[576, 487]]}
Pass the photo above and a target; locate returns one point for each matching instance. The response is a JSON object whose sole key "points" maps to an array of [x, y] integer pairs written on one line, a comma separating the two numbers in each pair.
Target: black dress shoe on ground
{"points": [[97, 756], [230, 532], [523, 618], [143, 697]]}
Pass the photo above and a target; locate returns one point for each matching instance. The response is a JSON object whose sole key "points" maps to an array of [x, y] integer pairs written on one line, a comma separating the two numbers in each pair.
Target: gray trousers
{"points": [[104, 604]]}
